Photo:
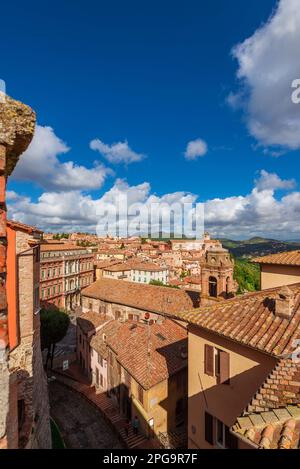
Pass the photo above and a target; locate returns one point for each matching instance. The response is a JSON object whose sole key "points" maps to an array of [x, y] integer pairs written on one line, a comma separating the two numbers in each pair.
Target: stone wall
{"points": [[21, 371]]}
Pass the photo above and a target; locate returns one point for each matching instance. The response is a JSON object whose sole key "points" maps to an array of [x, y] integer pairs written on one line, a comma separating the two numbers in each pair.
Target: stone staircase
{"points": [[132, 440]]}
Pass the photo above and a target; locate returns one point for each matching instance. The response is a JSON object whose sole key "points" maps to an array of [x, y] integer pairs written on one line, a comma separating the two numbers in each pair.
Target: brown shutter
{"points": [[209, 360], [224, 367], [209, 428]]}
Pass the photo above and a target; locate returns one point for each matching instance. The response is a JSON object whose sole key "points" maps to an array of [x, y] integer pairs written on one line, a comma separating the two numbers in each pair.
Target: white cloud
{"points": [[268, 64], [40, 164], [272, 181], [119, 152], [261, 212], [195, 149]]}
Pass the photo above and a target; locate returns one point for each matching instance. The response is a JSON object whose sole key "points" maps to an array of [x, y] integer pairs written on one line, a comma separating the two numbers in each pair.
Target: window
{"points": [[224, 439], [100, 360], [217, 364], [48, 291], [141, 394], [209, 428], [43, 274], [117, 314]]}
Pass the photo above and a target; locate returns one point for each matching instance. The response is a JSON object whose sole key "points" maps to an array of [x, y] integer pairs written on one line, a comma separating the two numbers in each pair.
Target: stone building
{"points": [[65, 270], [137, 271], [133, 301], [24, 412], [29, 426]]}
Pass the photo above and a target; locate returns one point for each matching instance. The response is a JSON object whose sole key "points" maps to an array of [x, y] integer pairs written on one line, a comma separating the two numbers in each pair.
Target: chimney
{"points": [[284, 303]]}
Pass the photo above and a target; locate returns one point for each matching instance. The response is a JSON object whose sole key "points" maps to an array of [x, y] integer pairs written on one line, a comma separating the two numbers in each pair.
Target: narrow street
{"points": [[80, 424]]}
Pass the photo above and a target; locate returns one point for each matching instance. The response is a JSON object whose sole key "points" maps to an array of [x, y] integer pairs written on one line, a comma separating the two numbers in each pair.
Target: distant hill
{"points": [[255, 247]]}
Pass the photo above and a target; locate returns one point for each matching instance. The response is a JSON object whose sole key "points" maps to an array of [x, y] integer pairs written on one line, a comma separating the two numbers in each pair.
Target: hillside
{"points": [[257, 246]]}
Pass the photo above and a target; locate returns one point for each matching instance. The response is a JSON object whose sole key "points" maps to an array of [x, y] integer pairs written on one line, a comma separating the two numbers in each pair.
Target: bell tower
{"points": [[217, 274]]}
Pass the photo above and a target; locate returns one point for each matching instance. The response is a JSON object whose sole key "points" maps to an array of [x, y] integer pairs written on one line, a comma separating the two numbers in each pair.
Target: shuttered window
{"points": [[224, 367], [141, 394], [217, 363], [209, 360], [209, 428]]}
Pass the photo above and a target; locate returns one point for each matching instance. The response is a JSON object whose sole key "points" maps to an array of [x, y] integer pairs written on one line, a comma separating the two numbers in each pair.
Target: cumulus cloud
{"points": [[119, 152], [195, 149], [268, 63], [272, 181], [40, 164], [260, 213]]}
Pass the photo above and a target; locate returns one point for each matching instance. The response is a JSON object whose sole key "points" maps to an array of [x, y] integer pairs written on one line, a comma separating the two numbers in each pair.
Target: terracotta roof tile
{"points": [[146, 297], [281, 388], [283, 258], [22, 226], [61, 247], [250, 320], [90, 321], [271, 430], [150, 353], [109, 329]]}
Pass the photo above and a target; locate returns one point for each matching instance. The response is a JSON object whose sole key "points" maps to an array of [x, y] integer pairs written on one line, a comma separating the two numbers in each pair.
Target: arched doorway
{"points": [[213, 287]]}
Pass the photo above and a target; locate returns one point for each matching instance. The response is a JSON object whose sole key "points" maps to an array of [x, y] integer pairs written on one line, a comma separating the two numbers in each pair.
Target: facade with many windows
{"points": [[137, 271], [65, 270]]}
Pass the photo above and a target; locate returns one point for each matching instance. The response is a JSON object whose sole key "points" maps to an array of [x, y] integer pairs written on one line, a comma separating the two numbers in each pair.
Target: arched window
{"points": [[213, 287], [117, 314], [228, 285]]}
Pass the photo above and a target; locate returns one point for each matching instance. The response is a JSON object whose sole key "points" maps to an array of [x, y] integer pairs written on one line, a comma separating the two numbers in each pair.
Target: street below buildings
{"points": [[80, 424]]}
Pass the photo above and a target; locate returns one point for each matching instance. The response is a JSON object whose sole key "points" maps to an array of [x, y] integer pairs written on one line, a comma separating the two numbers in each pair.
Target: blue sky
{"points": [[156, 75]]}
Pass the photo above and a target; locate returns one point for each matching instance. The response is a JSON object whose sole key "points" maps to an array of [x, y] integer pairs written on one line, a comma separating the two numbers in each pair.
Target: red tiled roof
{"points": [[90, 320], [195, 280], [109, 329], [281, 388], [146, 297], [136, 265], [250, 320], [278, 429], [107, 263], [16, 225], [150, 353], [61, 247], [282, 258]]}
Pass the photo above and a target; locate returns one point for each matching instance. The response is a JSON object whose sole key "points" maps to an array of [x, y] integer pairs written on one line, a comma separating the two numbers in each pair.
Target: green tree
{"points": [[54, 326], [247, 275]]}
